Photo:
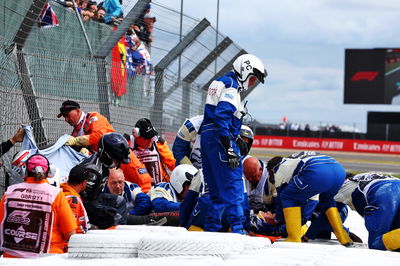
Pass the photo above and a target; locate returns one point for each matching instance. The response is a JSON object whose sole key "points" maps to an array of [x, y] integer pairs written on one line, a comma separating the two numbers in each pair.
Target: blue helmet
{"points": [[113, 146]]}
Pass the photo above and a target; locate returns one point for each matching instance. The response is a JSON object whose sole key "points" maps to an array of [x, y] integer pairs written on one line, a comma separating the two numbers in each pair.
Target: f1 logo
{"points": [[368, 75]]}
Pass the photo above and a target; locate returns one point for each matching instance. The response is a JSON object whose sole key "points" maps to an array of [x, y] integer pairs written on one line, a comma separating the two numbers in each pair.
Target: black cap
{"points": [[146, 129], [68, 106], [77, 175]]}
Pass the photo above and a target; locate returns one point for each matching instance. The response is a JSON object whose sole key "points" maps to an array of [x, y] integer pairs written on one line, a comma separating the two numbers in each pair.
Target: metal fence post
{"points": [[158, 106], [28, 93]]}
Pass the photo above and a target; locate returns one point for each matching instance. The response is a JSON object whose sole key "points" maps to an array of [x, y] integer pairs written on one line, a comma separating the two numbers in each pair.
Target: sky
{"points": [[155, 241], [302, 44]]}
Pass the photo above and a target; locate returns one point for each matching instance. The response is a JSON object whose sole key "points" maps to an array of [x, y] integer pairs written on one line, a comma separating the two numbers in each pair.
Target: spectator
{"points": [[302, 176], [135, 60], [307, 130], [69, 4], [152, 150], [88, 10], [92, 6], [100, 14], [144, 28], [7, 145], [33, 214], [77, 181], [88, 127], [113, 11], [138, 203]]}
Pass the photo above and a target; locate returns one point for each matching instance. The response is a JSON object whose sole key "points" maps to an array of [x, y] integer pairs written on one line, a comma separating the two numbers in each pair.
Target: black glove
{"points": [[242, 146], [233, 158]]}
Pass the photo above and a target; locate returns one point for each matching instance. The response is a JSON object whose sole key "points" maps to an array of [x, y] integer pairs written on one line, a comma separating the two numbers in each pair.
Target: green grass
{"points": [[392, 66]]}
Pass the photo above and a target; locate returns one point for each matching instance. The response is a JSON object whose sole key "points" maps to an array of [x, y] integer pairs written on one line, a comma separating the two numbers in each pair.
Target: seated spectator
{"points": [[35, 209], [99, 15], [7, 145], [138, 203], [152, 150], [77, 181], [113, 11]]}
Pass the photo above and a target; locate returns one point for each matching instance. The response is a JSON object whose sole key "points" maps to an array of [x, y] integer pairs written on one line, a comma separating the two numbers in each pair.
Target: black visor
{"points": [[259, 75]]}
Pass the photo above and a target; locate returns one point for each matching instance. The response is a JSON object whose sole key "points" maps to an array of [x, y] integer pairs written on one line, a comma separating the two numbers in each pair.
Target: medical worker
{"points": [[376, 197], [301, 176], [221, 157]]}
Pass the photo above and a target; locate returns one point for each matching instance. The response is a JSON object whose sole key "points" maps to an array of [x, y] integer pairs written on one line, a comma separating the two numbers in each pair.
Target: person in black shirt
{"points": [[7, 145]]}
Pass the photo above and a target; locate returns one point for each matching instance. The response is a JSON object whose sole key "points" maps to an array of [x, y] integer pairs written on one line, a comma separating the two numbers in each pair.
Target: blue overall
{"points": [[225, 184], [382, 214], [321, 175]]}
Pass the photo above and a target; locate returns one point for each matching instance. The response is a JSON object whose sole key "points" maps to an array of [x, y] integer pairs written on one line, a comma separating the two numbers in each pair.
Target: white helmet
{"points": [[180, 175], [19, 162], [54, 176], [246, 66]]}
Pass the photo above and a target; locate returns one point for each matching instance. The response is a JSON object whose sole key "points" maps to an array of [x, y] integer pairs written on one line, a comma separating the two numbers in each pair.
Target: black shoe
{"points": [[355, 237]]}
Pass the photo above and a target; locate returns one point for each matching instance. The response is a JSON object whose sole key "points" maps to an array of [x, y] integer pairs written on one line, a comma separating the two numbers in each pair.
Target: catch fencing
{"points": [[42, 67]]}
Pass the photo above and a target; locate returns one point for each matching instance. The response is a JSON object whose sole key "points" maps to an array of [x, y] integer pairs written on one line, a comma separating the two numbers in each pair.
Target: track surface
{"points": [[358, 162]]}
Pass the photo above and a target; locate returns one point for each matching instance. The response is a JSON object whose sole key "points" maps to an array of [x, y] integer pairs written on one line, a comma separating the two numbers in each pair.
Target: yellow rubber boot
{"points": [[391, 240], [337, 225], [304, 229], [293, 223], [195, 228]]}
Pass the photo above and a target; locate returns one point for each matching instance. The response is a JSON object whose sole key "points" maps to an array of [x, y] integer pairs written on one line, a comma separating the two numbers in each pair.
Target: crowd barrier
{"points": [[347, 145]]}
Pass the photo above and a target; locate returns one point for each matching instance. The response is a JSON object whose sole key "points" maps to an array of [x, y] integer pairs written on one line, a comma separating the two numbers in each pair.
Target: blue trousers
{"points": [[225, 185], [324, 179], [320, 227], [382, 214]]}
